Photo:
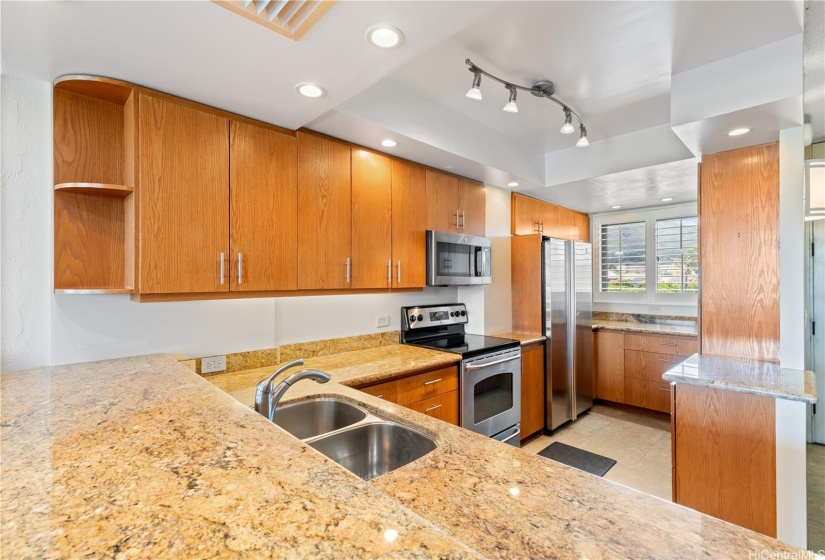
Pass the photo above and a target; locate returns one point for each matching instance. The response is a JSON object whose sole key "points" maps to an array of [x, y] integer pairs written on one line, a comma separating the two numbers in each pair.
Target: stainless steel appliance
{"points": [[567, 298], [458, 260], [489, 373]]}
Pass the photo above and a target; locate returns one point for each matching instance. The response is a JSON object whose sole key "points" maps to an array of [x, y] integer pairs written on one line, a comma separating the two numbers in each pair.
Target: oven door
{"points": [[491, 392], [458, 260]]}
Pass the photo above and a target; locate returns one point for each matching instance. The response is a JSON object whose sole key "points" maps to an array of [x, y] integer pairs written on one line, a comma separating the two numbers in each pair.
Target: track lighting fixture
{"points": [[541, 88], [583, 141], [475, 91], [511, 105]]}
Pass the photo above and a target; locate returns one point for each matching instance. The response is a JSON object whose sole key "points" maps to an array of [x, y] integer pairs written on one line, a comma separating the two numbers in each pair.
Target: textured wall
{"points": [[25, 223]]}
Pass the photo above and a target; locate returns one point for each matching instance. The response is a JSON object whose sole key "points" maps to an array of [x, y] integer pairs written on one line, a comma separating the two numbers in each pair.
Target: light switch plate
{"points": [[190, 364], [383, 321], [213, 364]]}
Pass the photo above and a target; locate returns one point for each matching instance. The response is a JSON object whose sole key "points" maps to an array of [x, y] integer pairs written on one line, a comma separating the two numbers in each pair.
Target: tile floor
{"points": [[816, 497], [639, 441]]}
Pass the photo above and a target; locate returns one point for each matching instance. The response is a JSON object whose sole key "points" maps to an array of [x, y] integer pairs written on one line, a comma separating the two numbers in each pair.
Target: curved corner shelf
{"points": [[99, 189], [87, 291], [98, 87]]}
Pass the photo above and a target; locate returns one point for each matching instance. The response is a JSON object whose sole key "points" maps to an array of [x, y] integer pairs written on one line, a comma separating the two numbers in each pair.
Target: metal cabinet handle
{"points": [[223, 271], [463, 220], [456, 218], [379, 396], [240, 268], [389, 272], [665, 390], [536, 228], [541, 227], [433, 407], [398, 268], [668, 343], [433, 381], [669, 361], [349, 269]]}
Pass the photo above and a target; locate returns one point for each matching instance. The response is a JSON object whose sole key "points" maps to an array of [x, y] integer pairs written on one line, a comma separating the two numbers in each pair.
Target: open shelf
{"points": [[89, 291], [99, 189], [96, 87]]}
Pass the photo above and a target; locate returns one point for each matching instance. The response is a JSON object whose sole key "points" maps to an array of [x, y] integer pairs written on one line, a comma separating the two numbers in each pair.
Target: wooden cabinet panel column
{"points": [[371, 220], [409, 225], [184, 198], [532, 390], [263, 208], [324, 213], [472, 206]]}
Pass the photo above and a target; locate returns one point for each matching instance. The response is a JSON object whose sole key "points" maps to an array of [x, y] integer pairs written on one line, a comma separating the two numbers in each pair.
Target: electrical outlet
{"points": [[383, 321], [213, 364], [655, 308], [189, 364]]}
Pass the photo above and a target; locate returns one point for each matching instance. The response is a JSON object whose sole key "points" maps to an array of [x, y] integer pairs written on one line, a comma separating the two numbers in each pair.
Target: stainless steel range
{"points": [[490, 370]]}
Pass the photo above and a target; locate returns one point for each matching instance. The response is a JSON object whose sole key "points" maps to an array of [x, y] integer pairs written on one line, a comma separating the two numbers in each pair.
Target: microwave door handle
{"points": [[473, 366]]}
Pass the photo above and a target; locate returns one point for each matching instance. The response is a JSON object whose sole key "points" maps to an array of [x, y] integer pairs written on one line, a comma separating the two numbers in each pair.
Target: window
{"points": [[648, 256], [623, 260], [677, 256]]}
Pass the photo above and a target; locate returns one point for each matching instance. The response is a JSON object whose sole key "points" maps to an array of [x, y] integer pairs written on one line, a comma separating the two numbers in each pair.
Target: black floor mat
{"points": [[578, 458]]}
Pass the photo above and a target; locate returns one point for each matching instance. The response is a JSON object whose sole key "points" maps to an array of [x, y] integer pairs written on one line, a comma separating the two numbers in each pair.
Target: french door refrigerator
{"points": [[567, 301]]}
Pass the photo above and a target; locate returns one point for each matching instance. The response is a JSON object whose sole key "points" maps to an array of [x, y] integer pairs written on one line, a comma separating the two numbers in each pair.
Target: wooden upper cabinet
{"points": [[409, 225], [529, 216], [566, 223], [526, 215], [472, 206], [371, 219], [442, 202], [263, 191], [324, 213], [184, 198], [583, 227]]}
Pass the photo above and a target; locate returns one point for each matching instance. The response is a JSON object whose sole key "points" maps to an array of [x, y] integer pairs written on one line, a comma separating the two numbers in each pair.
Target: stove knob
{"points": [[412, 318], [463, 313], [420, 317], [452, 313]]}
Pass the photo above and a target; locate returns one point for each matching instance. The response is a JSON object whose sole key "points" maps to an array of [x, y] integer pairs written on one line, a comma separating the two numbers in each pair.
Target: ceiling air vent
{"points": [[291, 18]]}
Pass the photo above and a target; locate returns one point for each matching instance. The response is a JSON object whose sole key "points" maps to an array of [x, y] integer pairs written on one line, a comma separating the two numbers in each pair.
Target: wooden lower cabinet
{"points": [[434, 393], [652, 395], [444, 407], [609, 359], [532, 390]]}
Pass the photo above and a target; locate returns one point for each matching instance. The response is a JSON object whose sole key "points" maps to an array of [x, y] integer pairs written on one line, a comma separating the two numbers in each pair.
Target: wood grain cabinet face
{"points": [[442, 202], [324, 213], [472, 205], [184, 198], [371, 220], [610, 363], [409, 225], [444, 407], [582, 228], [532, 390], [263, 209]]}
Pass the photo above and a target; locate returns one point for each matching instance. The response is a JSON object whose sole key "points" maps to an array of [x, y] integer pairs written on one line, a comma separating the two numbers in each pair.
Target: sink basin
{"points": [[309, 419], [371, 450]]}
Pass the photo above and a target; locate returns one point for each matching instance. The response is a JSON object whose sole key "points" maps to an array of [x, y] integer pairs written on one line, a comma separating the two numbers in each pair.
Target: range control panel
{"points": [[433, 316]]}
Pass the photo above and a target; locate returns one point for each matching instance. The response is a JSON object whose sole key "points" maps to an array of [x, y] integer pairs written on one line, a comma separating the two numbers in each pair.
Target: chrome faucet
{"points": [[267, 397]]}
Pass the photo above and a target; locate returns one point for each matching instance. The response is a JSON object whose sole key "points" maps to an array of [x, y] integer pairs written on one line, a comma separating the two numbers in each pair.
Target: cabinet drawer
{"points": [[648, 365], [387, 391], [634, 391], [444, 407], [674, 345], [426, 385], [658, 396]]}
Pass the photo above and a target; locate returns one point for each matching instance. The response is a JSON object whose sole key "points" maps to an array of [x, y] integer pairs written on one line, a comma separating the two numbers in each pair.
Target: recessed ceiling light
{"points": [[385, 37], [668, 199], [389, 143], [448, 167], [512, 184], [616, 207], [739, 131], [310, 90]]}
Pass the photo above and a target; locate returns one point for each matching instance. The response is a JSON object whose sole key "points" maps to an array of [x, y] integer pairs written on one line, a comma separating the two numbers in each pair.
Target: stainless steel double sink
{"points": [[361, 441]]}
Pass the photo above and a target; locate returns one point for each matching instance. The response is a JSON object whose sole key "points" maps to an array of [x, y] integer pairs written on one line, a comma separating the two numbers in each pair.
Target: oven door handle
{"points": [[508, 438], [473, 366]]}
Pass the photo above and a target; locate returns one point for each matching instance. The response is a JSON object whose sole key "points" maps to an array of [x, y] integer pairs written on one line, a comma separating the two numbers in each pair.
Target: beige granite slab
{"points": [[524, 338], [648, 328], [745, 376]]}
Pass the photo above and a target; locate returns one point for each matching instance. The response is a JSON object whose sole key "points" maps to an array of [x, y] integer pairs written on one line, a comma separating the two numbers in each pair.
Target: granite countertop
{"points": [[141, 457], [524, 338], [745, 376], [650, 328]]}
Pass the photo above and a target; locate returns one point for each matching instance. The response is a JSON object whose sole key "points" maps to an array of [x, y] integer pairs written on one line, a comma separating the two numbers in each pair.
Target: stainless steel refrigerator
{"points": [[567, 301]]}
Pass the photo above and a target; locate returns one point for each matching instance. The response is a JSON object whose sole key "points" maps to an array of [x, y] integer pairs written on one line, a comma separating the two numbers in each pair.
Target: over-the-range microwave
{"points": [[458, 260]]}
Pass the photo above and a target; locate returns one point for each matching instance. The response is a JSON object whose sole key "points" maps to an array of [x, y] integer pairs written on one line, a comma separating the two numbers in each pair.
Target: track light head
{"points": [[511, 105], [583, 141], [475, 91], [567, 128]]}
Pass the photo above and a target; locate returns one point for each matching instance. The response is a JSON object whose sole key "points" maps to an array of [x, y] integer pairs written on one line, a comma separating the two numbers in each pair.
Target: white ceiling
{"points": [[613, 62], [814, 45]]}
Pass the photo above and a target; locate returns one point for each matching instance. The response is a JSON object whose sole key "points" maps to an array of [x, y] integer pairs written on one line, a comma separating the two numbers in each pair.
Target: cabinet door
{"points": [[526, 215], [443, 407], [610, 357], [442, 202], [550, 221], [583, 228], [184, 198], [371, 219], [263, 200], [324, 213], [472, 205], [532, 390], [409, 225]]}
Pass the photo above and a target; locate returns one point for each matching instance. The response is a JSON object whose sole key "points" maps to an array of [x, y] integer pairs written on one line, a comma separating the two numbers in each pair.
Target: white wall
{"points": [[25, 223], [498, 300]]}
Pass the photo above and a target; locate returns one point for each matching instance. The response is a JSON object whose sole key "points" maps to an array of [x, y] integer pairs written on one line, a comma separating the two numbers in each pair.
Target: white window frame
{"points": [[649, 216]]}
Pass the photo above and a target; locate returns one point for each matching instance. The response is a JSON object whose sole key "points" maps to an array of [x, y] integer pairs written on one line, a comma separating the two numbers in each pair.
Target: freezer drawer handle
{"points": [[433, 381], [473, 366], [508, 438]]}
